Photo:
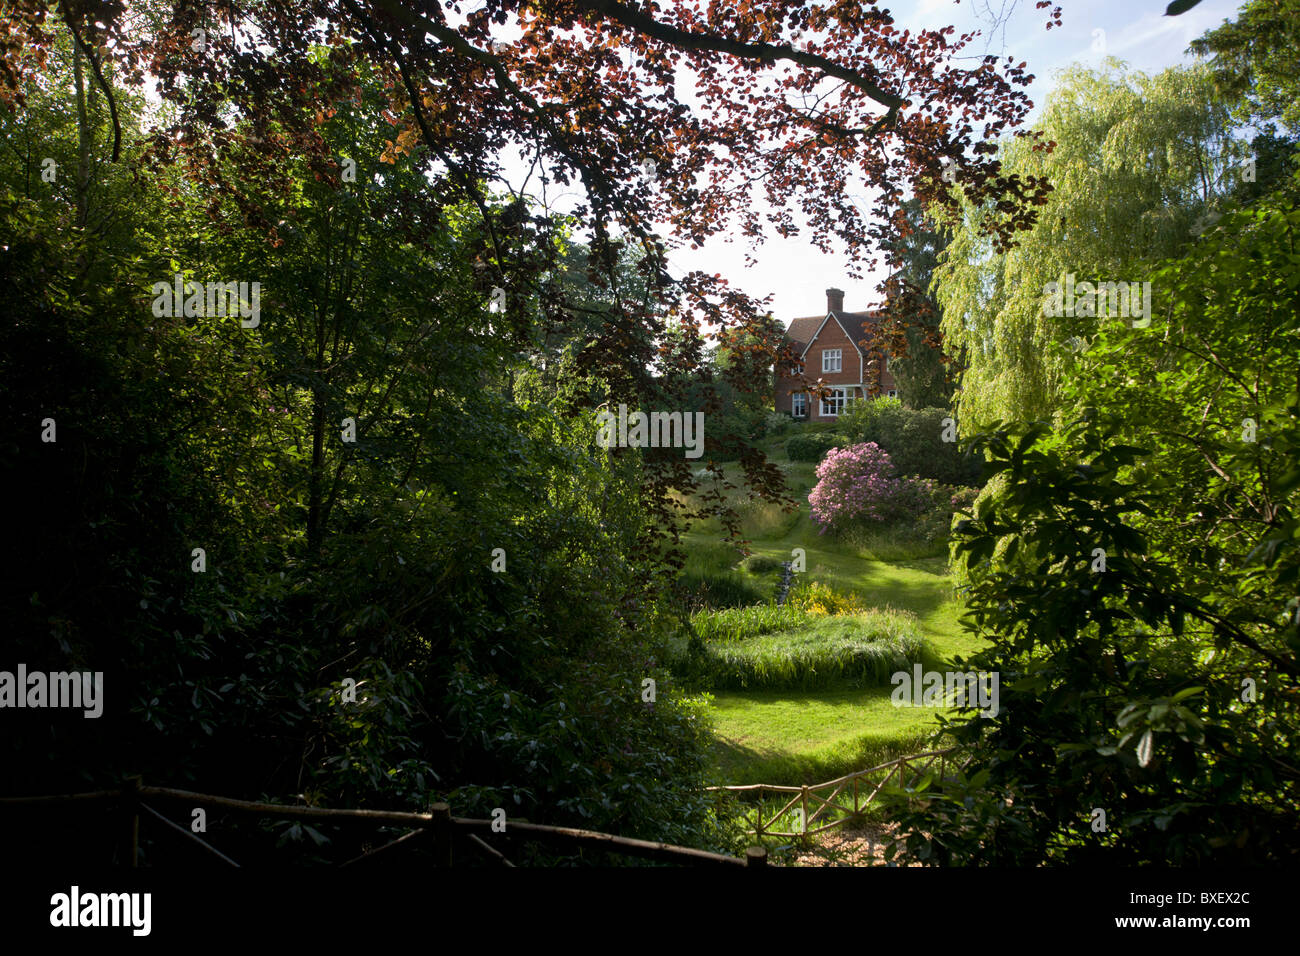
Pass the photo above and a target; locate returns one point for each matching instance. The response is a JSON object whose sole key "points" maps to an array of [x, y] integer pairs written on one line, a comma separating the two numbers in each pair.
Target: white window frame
{"points": [[837, 355], [892, 393], [841, 396], [799, 405]]}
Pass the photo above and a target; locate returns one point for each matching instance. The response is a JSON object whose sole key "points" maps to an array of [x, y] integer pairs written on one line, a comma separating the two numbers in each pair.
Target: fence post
{"points": [[131, 808], [804, 798], [441, 834], [756, 856]]}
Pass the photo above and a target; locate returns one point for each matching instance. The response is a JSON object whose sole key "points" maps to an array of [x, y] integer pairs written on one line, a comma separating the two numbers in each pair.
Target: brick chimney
{"points": [[834, 300]]}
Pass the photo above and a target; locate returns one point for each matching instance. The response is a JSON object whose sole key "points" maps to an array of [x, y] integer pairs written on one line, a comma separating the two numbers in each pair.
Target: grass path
{"points": [[793, 737]]}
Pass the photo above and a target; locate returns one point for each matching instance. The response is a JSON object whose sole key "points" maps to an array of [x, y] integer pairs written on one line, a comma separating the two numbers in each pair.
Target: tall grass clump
{"points": [[857, 650], [764, 519], [716, 557], [761, 564], [736, 624]]}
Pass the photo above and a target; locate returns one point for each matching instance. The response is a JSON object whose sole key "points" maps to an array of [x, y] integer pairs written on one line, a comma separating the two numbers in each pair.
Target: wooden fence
{"points": [[904, 771], [437, 828]]}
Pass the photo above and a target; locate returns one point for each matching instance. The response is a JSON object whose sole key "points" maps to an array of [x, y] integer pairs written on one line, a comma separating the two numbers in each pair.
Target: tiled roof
{"points": [[801, 330]]}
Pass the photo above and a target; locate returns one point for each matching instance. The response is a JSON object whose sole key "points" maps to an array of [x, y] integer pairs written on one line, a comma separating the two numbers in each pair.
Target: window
{"points": [[892, 393], [834, 404], [799, 405], [831, 360]]}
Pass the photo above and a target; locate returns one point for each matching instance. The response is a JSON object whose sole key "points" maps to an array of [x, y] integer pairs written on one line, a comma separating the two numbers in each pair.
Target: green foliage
{"points": [[1135, 572], [914, 439], [923, 377], [862, 420], [1214, 398], [1253, 61], [777, 423], [1121, 686], [717, 590], [811, 447], [736, 624], [326, 560], [924, 537], [819, 651]]}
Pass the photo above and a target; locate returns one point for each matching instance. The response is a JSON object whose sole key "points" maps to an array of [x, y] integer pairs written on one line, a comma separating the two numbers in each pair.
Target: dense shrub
{"points": [[777, 423], [862, 419], [811, 446], [1114, 693], [858, 483], [913, 438], [818, 599], [964, 572], [962, 498], [925, 536], [761, 564], [484, 689]]}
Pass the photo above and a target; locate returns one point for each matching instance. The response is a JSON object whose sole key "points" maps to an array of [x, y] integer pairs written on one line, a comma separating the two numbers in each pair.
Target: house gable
{"points": [[845, 332], [832, 336], [829, 316]]}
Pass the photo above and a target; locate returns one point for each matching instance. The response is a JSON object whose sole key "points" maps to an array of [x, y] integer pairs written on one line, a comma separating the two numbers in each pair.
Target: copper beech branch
{"points": [[764, 52]]}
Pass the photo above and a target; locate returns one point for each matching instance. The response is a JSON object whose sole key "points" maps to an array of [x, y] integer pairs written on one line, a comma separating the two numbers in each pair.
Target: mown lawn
{"points": [[792, 737]]}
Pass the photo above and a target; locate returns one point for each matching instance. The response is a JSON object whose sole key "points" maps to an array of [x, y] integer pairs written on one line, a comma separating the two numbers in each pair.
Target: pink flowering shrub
{"points": [[856, 483]]}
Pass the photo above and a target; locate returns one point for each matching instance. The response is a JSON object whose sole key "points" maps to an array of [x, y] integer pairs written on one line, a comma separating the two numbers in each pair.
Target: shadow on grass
{"points": [[739, 765], [830, 734]]}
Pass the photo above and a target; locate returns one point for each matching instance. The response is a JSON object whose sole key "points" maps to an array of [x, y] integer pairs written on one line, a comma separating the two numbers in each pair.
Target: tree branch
{"points": [[99, 76], [764, 52]]}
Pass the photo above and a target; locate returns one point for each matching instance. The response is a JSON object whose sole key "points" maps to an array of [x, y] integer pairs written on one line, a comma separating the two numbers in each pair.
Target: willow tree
{"points": [[1138, 165]]}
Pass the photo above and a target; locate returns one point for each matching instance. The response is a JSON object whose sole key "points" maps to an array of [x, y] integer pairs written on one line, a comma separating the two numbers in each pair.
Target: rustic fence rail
{"points": [[904, 771], [437, 827]]}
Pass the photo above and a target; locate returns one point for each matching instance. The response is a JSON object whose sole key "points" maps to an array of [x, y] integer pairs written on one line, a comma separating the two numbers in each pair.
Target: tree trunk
{"points": [[316, 479], [82, 182]]}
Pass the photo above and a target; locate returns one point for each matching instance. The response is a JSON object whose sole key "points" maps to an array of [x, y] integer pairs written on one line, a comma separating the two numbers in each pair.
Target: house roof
{"points": [[802, 330]]}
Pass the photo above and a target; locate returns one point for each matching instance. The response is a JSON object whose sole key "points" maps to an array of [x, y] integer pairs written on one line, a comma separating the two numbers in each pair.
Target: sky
{"points": [[797, 274]]}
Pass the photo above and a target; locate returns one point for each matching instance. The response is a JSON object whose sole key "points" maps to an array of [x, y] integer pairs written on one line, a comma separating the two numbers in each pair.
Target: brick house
{"points": [[827, 345]]}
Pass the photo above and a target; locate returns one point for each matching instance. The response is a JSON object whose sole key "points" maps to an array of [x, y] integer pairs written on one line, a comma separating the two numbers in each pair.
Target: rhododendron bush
{"points": [[856, 484]]}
